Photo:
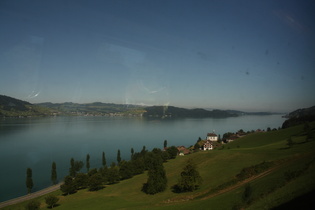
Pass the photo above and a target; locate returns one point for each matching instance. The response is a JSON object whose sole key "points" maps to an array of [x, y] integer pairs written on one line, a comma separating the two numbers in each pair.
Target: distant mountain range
{"points": [[11, 107], [175, 112]]}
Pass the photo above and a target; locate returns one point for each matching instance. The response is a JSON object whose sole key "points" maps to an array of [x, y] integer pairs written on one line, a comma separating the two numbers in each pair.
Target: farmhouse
{"points": [[208, 145], [212, 137], [183, 150]]}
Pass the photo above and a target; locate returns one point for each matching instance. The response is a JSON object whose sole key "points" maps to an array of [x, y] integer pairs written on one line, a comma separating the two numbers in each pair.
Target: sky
{"points": [[247, 55]]}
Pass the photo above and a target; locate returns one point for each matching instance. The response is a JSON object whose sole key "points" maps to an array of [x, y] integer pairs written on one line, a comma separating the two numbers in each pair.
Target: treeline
{"points": [[176, 112], [97, 178]]}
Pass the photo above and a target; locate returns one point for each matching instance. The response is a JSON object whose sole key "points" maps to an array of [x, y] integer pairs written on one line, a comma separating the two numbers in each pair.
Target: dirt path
{"points": [[240, 184], [30, 196]]}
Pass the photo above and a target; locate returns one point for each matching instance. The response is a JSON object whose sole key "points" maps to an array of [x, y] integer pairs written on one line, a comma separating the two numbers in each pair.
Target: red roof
{"points": [[212, 134]]}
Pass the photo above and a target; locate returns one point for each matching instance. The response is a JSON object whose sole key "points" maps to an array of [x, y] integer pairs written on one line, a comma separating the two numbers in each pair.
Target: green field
{"points": [[291, 174]]}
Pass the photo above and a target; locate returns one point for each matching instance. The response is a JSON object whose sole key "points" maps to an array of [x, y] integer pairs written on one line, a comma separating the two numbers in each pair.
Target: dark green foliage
{"points": [[75, 166], [132, 152], [54, 173], [138, 164], [143, 151], [81, 181], [51, 200], [196, 147], [87, 162], [172, 152], [247, 195], [163, 154], [253, 170], [125, 170], [29, 180], [118, 157], [290, 142], [113, 174], [95, 182], [71, 169], [69, 186], [157, 180], [171, 111], [104, 173], [165, 144], [103, 159], [32, 205], [92, 172], [189, 180]]}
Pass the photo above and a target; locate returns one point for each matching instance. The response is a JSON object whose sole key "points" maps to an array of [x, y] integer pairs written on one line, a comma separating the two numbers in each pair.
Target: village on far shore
{"points": [[213, 141]]}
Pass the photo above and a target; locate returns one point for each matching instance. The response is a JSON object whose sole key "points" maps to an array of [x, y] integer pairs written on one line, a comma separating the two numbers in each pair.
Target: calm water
{"points": [[35, 143]]}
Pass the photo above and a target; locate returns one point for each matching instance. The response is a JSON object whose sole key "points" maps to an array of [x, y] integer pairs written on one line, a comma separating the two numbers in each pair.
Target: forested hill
{"points": [[175, 112], [11, 107], [299, 116]]}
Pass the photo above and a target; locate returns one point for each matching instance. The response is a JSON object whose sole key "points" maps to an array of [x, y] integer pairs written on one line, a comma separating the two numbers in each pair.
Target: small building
{"points": [[183, 151], [212, 137], [208, 145]]}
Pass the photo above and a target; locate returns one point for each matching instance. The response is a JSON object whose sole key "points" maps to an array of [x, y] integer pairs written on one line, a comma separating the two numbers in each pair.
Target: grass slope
{"points": [[269, 190]]}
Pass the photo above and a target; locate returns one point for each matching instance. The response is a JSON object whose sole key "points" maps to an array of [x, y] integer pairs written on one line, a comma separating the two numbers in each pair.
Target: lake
{"points": [[37, 142]]}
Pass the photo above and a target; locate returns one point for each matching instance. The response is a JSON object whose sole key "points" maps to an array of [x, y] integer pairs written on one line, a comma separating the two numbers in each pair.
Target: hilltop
{"points": [[299, 116], [11, 107]]}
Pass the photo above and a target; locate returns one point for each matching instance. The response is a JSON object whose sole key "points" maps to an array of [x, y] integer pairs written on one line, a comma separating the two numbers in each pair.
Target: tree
{"points": [[165, 144], [196, 147], [172, 152], [75, 166], [118, 157], [29, 180], [247, 195], [189, 179], [95, 182], [32, 205], [219, 139], [71, 169], [69, 186], [51, 200], [54, 173], [125, 170], [132, 152], [103, 159], [289, 142], [113, 174], [81, 181], [157, 180], [87, 162]]}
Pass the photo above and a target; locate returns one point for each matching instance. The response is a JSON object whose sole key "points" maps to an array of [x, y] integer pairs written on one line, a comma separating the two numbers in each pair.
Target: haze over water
{"points": [[37, 142]]}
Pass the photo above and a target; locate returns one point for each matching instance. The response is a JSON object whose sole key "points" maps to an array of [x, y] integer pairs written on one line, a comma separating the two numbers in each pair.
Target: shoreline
{"points": [[30, 196]]}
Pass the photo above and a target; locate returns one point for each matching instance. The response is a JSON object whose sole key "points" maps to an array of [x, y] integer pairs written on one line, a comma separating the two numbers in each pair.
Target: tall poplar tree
{"points": [[54, 173], [103, 160], [87, 162], [29, 180], [118, 157]]}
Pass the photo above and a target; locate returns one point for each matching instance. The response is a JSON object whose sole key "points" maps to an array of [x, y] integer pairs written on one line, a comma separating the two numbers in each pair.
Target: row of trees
{"points": [[95, 179]]}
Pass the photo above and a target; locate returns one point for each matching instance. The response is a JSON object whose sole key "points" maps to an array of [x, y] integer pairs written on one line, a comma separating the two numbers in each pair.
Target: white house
{"points": [[212, 137], [207, 145]]}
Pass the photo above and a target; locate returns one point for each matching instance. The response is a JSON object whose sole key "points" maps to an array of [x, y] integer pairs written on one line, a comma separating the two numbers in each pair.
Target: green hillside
{"points": [[262, 162], [11, 107]]}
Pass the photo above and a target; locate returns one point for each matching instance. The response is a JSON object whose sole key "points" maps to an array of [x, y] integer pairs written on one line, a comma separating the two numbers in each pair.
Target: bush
{"points": [[51, 201], [32, 205]]}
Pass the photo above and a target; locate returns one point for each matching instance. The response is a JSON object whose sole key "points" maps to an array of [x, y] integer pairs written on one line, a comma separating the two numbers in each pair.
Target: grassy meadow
{"points": [[290, 175]]}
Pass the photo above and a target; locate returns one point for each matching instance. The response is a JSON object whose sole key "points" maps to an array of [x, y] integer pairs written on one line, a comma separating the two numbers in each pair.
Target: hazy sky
{"points": [[239, 54]]}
